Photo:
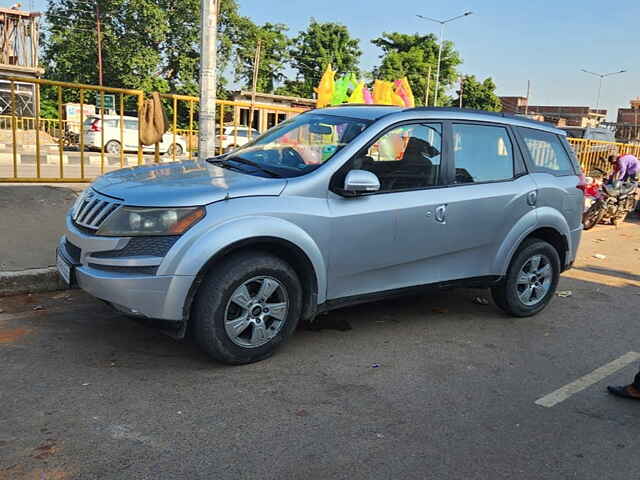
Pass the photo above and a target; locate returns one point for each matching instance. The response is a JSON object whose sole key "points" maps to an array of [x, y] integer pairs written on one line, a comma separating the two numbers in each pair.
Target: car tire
{"points": [[175, 149], [113, 147], [511, 294], [217, 310]]}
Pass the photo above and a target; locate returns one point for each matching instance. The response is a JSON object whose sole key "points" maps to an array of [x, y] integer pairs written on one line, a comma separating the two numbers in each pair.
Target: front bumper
{"points": [[160, 297]]}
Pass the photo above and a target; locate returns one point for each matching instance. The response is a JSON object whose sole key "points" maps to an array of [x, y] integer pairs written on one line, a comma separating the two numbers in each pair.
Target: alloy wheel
{"points": [[256, 311], [534, 280]]}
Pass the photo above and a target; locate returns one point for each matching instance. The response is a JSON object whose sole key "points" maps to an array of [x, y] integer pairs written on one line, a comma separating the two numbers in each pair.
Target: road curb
{"points": [[30, 281]]}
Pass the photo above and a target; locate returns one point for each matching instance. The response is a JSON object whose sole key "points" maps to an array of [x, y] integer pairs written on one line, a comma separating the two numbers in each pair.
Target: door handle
{"points": [[441, 213]]}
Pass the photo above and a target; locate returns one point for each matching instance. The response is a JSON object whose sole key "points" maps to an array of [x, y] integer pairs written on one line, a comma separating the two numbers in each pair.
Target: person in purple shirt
{"points": [[625, 168]]}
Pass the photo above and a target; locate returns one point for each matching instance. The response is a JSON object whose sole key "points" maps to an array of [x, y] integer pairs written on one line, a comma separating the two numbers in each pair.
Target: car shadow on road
{"points": [[95, 336], [610, 272]]}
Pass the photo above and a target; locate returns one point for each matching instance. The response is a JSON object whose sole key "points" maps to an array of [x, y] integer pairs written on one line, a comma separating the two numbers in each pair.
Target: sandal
{"points": [[627, 391]]}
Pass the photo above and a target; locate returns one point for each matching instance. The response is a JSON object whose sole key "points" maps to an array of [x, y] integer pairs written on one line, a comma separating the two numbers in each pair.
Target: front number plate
{"points": [[64, 268]]}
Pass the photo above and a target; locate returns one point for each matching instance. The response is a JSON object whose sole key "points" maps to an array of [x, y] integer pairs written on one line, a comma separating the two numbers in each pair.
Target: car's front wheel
{"points": [[531, 280], [246, 307]]}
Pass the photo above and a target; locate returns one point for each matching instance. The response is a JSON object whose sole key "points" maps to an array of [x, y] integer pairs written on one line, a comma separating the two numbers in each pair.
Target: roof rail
{"points": [[474, 110]]}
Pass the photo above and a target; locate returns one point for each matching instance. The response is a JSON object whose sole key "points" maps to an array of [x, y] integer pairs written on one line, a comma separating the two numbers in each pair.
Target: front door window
{"points": [[405, 158]]}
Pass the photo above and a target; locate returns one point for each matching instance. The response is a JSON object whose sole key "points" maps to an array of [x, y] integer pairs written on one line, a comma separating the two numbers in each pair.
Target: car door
{"points": [[489, 193], [390, 239], [554, 174]]}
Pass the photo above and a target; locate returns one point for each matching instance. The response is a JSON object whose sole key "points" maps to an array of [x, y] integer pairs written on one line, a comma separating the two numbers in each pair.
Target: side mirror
{"points": [[361, 181]]}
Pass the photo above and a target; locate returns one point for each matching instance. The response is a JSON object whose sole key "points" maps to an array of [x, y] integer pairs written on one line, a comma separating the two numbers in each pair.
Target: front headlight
{"points": [[139, 222]]}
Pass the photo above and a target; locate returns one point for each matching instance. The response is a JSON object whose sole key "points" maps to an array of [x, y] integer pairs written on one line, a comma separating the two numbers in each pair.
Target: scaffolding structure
{"points": [[19, 57], [19, 38]]}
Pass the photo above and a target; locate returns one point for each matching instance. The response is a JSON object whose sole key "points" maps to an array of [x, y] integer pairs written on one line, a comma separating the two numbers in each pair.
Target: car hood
{"points": [[182, 184]]}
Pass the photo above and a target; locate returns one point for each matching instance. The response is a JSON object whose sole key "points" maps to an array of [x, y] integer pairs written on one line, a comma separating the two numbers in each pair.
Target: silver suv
{"points": [[333, 207]]}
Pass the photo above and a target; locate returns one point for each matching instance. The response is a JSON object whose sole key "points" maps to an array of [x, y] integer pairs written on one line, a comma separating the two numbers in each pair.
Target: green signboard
{"points": [[109, 101]]}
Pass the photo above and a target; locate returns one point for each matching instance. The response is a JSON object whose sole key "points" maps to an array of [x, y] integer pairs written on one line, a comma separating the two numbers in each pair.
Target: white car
{"points": [[110, 124], [233, 137]]}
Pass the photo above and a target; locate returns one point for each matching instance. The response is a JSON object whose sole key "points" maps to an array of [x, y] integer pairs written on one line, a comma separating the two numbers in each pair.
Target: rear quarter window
{"points": [[546, 152]]}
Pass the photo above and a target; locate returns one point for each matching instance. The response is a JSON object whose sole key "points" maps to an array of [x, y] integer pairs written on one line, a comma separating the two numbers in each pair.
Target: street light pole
{"points": [[602, 76], [442, 25], [207, 114]]}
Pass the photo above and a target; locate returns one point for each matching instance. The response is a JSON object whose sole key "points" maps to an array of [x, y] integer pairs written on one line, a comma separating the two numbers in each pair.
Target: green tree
{"points": [[316, 47], [274, 53], [147, 44], [478, 95], [405, 55]]}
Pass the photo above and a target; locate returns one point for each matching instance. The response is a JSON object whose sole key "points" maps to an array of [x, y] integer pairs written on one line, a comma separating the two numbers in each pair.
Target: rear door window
{"points": [[131, 124], [482, 153], [546, 152]]}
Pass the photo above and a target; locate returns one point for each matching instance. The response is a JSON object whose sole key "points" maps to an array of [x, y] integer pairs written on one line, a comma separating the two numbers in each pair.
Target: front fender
{"points": [[543, 217], [193, 254]]}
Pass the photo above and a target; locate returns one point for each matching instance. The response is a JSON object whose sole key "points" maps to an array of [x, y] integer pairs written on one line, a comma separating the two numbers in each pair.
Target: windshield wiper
{"points": [[253, 164], [224, 164]]}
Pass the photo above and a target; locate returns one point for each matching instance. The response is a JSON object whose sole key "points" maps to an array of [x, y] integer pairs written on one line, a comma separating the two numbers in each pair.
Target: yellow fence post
{"points": [[121, 130], [13, 129], [190, 147], [81, 133], [175, 126], [60, 132], [36, 111], [102, 127]]}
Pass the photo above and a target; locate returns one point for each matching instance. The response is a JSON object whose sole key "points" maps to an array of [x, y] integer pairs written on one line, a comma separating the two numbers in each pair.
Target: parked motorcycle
{"points": [[607, 202]]}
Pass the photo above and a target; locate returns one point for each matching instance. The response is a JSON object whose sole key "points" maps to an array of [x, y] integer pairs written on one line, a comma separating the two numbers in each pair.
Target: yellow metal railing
{"points": [[38, 149], [593, 154], [239, 117]]}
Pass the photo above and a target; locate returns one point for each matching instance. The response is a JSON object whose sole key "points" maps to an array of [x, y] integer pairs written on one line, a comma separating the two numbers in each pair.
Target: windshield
{"points": [[297, 146]]}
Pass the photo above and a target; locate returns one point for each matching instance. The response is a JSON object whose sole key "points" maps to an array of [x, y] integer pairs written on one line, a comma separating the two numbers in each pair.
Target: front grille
{"points": [[73, 252], [93, 209], [141, 246], [130, 270]]}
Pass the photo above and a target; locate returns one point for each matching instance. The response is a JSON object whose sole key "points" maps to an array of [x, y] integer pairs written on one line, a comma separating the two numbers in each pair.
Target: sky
{"points": [[513, 41]]}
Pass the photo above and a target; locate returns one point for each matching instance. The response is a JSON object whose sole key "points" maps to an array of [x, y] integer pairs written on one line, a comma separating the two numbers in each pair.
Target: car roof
{"points": [[376, 112]]}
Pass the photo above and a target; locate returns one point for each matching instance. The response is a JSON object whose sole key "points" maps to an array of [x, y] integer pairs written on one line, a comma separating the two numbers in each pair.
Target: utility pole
{"points": [[601, 76], [99, 33], [254, 86], [442, 25], [461, 89], [526, 107], [207, 114], [426, 95]]}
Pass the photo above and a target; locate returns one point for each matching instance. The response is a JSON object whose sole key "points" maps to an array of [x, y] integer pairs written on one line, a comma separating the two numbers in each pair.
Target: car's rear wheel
{"points": [[246, 307], [531, 280], [113, 147], [176, 149]]}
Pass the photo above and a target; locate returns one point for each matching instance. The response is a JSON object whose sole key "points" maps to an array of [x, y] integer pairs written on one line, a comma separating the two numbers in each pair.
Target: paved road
{"points": [[87, 394]]}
